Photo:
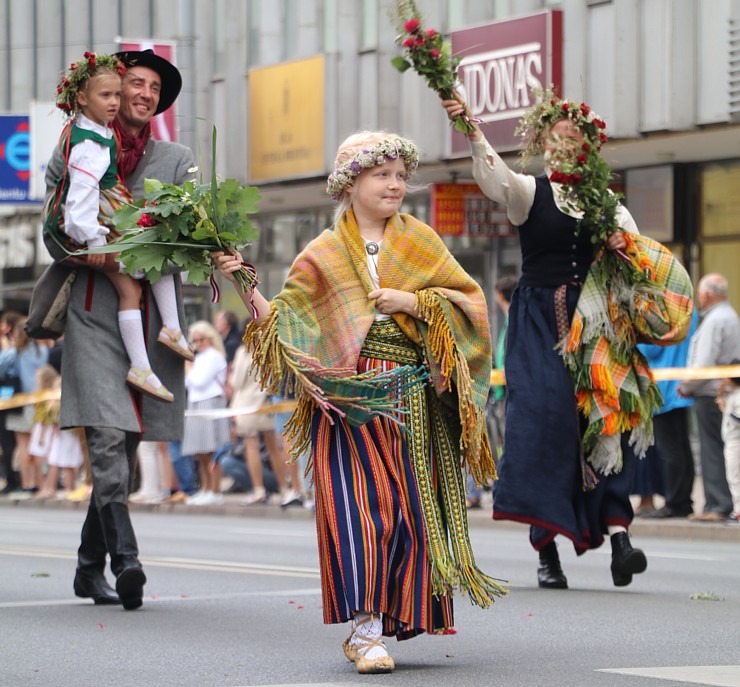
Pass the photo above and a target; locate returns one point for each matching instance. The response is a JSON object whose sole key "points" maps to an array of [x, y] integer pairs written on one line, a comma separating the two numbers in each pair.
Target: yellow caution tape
{"points": [[497, 379]]}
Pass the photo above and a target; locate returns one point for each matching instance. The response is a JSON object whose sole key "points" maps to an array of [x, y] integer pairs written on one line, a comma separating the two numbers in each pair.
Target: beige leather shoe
{"points": [[356, 654]]}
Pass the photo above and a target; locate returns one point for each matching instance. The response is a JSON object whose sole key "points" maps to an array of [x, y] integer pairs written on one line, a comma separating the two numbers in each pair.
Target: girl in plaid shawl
{"points": [[547, 473], [385, 340]]}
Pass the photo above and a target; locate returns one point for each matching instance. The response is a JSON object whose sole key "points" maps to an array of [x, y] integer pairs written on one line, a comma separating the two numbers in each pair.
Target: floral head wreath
{"points": [[550, 109], [380, 153], [79, 72]]}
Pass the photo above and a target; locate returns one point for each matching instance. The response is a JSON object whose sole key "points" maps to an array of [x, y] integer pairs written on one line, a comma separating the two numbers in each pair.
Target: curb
{"points": [[674, 528]]}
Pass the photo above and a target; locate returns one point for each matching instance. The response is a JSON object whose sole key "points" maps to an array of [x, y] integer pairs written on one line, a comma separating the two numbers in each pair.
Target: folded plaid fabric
{"points": [[639, 295]]}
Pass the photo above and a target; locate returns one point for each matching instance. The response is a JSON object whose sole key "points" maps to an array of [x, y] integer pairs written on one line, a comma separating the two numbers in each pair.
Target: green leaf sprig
{"points": [[183, 224]]}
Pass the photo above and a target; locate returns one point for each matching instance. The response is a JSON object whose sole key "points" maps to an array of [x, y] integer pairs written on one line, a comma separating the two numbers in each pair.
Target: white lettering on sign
{"points": [[498, 82], [17, 242]]}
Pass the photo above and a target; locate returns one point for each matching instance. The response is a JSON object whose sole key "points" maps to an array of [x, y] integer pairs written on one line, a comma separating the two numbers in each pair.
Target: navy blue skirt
{"points": [[540, 473]]}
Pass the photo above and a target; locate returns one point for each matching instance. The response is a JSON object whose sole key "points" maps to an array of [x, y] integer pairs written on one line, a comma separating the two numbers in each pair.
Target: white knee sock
{"points": [[166, 300], [132, 333]]}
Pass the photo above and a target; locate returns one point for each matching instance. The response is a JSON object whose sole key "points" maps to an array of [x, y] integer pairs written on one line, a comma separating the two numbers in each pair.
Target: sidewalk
{"points": [[670, 528]]}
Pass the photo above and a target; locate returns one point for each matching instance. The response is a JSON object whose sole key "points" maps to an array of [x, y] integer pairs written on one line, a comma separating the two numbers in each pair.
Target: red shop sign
{"points": [[501, 64]]}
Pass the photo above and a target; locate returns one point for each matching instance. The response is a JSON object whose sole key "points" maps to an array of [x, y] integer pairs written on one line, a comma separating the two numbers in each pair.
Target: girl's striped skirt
{"points": [[371, 532]]}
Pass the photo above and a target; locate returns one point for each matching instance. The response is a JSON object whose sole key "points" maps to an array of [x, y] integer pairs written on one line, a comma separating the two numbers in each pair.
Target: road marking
{"points": [[718, 676], [159, 599], [182, 563]]}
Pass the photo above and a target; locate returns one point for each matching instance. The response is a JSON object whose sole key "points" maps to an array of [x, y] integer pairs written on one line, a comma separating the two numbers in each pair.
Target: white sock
{"points": [[370, 627], [166, 300], [132, 333], [614, 529]]}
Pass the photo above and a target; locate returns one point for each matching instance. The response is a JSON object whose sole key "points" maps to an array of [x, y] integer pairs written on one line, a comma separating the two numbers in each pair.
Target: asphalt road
{"points": [[235, 600]]}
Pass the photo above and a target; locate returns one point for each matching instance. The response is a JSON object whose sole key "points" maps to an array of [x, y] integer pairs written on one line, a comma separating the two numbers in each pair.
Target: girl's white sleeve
{"points": [[514, 191], [88, 162]]}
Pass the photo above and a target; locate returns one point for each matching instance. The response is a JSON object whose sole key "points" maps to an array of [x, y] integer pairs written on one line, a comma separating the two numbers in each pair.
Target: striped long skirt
{"points": [[371, 532]]}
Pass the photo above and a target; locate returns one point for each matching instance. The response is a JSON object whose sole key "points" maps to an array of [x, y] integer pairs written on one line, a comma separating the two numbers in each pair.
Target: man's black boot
{"points": [[626, 561], [550, 574], [90, 582], [124, 554]]}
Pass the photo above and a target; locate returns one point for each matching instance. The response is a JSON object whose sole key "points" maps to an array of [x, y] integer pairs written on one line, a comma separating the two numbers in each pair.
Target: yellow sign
{"points": [[286, 120]]}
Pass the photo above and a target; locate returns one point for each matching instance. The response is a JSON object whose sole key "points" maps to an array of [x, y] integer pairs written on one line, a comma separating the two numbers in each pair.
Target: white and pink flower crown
{"points": [[388, 149]]}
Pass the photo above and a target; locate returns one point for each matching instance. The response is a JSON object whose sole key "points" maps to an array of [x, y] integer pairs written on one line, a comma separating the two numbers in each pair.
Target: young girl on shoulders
{"points": [[89, 192]]}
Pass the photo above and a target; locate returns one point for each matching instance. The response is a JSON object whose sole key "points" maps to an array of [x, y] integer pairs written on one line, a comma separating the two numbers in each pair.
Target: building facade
{"points": [[285, 81]]}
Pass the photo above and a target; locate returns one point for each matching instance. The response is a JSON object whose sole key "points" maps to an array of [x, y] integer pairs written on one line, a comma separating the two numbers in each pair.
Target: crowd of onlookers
{"points": [[242, 453]]}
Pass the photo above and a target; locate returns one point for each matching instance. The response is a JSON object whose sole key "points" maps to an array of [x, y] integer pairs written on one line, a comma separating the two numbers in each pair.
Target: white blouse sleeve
{"points": [[88, 162], [514, 191], [626, 221]]}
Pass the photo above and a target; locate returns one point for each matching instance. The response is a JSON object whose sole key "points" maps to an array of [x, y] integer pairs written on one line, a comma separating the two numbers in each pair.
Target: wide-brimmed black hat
{"points": [[168, 73]]}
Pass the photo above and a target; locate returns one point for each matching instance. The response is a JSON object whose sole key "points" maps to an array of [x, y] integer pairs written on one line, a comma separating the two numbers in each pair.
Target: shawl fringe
{"points": [[476, 454]]}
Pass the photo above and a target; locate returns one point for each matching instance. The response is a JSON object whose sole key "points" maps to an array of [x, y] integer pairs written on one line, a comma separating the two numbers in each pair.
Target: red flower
{"points": [[434, 53], [566, 107], [431, 33], [600, 123], [411, 25], [574, 178], [146, 221], [586, 148], [419, 42], [87, 55], [582, 159], [602, 137], [409, 43], [585, 109]]}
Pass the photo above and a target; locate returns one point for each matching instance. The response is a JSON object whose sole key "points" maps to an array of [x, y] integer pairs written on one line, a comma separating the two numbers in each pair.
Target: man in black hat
{"points": [[94, 393]]}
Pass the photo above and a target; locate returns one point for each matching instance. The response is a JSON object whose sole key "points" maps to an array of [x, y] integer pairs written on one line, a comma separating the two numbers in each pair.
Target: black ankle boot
{"points": [[550, 574], [626, 561], [124, 554], [90, 582]]}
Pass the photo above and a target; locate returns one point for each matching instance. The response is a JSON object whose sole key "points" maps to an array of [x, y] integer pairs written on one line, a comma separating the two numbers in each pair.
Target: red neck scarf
{"points": [[132, 147]]}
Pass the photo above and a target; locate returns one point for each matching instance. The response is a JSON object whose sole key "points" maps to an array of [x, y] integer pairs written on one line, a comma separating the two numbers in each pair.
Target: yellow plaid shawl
{"points": [[311, 340]]}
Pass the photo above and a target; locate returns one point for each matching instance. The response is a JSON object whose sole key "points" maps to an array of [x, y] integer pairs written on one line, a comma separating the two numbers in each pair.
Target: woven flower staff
{"points": [[428, 55]]}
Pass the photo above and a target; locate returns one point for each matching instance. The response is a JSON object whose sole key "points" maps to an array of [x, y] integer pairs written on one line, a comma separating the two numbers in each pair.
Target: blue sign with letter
{"points": [[15, 158]]}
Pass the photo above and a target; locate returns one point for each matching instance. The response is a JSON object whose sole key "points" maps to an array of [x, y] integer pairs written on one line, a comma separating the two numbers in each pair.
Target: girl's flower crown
{"points": [[380, 153], [79, 72], [550, 109]]}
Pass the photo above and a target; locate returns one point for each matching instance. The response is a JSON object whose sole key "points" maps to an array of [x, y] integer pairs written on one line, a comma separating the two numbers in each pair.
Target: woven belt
{"points": [[386, 341]]}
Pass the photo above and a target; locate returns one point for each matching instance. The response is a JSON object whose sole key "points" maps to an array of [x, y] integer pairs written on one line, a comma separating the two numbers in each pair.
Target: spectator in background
{"points": [[26, 356], [227, 325], [205, 381], [730, 405], [8, 320], [716, 342], [671, 429]]}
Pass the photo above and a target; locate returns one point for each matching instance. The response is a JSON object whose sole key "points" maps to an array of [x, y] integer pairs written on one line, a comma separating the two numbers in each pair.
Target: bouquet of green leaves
{"points": [[428, 54], [183, 225]]}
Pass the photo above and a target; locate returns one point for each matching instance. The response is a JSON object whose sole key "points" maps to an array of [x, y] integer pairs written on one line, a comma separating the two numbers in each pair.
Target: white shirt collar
{"points": [[86, 123]]}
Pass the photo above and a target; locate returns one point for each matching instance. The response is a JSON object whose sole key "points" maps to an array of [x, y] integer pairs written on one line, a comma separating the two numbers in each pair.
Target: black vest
{"points": [[554, 250]]}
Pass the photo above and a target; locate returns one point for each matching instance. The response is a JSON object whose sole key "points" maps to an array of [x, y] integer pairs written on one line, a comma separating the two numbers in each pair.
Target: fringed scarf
{"points": [[639, 295], [311, 340]]}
